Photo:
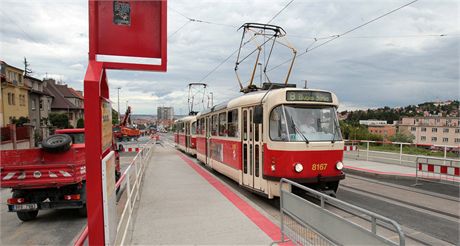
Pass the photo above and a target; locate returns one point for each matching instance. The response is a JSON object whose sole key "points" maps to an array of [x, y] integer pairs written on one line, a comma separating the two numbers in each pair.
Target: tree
{"points": [[402, 138], [59, 120], [115, 117], [21, 121], [81, 123], [27, 70]]}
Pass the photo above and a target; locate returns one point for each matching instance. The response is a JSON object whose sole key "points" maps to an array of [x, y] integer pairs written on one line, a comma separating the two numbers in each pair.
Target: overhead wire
{"points": [[380, 36], [334, 37], [178, 29], [279, 12], [20, 28], [200, 21]]}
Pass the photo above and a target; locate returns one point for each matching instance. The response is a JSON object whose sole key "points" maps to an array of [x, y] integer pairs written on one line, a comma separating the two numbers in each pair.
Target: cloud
{"points": [[387, 62]]}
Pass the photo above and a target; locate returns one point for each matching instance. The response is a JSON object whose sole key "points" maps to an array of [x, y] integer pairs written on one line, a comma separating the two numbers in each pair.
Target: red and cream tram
{"points": [[263, 136], [185, 134]]}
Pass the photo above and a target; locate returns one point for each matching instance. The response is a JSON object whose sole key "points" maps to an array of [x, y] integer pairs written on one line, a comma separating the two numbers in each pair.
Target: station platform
{"points": [[384, 169], [378, 168], [182, 203]]}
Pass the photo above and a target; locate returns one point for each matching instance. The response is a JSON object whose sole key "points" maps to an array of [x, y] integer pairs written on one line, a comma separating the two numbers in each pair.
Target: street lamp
{"points": [[119, 114], [212, 99]]}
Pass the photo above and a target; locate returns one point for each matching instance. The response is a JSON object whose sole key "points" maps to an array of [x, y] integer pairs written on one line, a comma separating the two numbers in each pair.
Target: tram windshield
{"points": [[298, 123]]}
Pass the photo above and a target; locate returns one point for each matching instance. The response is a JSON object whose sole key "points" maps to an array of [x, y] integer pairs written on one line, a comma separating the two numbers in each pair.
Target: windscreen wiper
{"points": [[301, 134]]}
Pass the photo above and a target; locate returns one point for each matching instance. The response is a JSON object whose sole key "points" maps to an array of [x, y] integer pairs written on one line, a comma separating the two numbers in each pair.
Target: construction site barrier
{"points": [[306, 223], [130, 181], [437, 169]]}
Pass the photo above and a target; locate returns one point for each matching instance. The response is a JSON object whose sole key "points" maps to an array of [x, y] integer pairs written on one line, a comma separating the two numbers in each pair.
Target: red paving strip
{"points": [[272, 230]]}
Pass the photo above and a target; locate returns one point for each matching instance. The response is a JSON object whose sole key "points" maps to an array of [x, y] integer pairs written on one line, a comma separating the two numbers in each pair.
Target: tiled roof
{"points": [[59, 101], [76, 93]]}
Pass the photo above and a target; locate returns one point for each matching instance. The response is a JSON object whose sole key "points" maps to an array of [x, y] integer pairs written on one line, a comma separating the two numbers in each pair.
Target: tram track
{"points": [[414, 206], [426, 217]]}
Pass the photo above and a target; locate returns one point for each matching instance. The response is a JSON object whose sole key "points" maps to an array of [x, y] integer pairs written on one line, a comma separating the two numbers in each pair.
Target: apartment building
{"points": [[165, 113], [14, 94], [432, 130], [39, 105]]}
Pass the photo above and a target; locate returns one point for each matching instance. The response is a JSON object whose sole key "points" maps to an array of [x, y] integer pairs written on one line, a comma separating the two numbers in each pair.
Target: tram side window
{"points": [[214, 125], [193, 130], [223, 124], [277, 125], [233, 123], [202, 126]]}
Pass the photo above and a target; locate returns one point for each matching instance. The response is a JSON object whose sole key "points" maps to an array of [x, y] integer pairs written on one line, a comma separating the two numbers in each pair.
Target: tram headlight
{"points": [[339, 165], [298, 167]]}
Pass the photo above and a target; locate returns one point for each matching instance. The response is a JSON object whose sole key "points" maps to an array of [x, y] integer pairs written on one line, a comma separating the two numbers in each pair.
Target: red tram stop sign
{"points": [[129, 35]]}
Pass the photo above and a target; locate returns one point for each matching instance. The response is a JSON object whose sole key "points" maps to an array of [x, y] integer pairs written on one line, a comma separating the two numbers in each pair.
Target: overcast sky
{"points": [[398, 60]]}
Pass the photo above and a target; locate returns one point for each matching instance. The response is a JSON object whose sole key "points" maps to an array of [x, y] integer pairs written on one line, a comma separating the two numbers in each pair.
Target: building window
{"points": [[446, 130], [445, 140], [434, 129], [423, 138], [41, 104], [457, 140], [13, 99], [33, 104], [434, 139], [457, 130], [10, 101], [423, 129], [413, 129]]}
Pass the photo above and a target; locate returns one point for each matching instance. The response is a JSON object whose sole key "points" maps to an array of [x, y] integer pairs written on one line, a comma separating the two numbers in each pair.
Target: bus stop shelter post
{"points": [[94, 77]]}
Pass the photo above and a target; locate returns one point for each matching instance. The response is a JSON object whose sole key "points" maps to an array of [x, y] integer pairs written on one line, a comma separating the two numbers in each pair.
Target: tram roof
{"points": [[256, 97], [186, 118]]}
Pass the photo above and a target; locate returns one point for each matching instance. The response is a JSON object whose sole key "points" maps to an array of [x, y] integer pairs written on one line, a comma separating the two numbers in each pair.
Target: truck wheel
{"points": [[57, 143], [26, 216], [82, 211]]}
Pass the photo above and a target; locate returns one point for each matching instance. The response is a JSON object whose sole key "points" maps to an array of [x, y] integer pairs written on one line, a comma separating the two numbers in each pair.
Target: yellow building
{"points": [[15, 96]]}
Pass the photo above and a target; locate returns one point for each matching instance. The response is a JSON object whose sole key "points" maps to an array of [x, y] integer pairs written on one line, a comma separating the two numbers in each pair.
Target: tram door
{"points": [[208, 140], [187, 136], [252, 153]]}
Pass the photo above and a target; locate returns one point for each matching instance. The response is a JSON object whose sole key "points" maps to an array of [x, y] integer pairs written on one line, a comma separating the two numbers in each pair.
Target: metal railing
{"points": [[306, 223], [386, 156], [437, 170], [130, 180]]}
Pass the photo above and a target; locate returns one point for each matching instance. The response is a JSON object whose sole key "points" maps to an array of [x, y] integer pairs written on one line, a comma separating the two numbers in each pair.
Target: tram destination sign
{"points": [[309, 96]]}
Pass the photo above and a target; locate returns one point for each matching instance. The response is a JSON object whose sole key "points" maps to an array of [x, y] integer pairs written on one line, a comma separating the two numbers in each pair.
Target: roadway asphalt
{"points": [[51, 227]]}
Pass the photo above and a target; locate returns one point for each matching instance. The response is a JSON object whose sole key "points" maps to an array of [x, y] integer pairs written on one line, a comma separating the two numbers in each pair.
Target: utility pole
{"points": [[212, 98], [119, 114], [305, 87]]}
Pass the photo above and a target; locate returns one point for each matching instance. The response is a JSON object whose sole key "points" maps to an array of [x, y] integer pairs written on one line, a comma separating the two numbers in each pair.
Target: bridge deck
{"points": [[182, 203]]}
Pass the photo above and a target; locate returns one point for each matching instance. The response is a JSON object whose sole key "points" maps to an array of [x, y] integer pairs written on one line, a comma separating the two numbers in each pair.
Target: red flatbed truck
{"points": [[50, 177]]}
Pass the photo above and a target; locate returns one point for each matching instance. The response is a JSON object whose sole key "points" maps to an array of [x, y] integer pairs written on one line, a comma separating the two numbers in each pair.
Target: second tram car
{"points": [[185, 134], [263, 136]]}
